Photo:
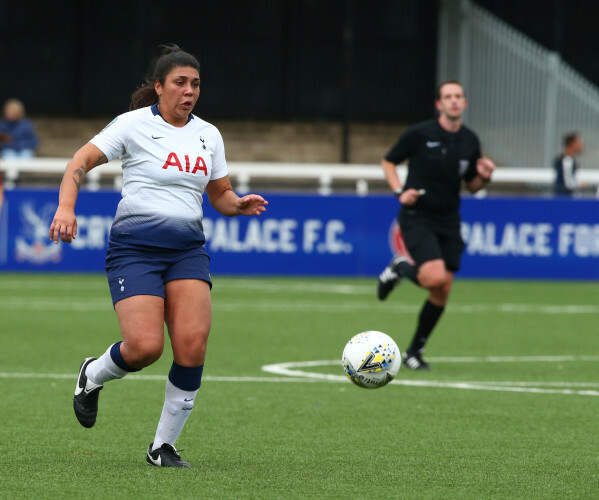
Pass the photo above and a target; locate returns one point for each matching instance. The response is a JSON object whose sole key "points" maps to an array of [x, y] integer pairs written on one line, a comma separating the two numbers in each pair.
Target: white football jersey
{"points": [[165, 172]]}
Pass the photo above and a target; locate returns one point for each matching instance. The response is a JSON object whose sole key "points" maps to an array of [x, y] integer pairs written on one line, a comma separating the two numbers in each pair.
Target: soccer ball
{"points": [[371, 359]]}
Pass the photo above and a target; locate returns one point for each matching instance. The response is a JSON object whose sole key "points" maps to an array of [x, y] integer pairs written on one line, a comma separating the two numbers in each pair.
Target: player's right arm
{"points": [[403, 149], [391, 176], [64, 223]]}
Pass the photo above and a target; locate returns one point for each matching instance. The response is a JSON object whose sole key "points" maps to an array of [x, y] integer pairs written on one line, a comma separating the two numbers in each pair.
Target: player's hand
{"points": [[410, 196], [251, 204], [484, 168], [64, 225]]}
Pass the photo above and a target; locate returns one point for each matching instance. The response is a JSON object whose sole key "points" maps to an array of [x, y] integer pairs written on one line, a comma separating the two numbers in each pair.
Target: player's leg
{"points": [[403, 265], [188, 318], [142, 326], [433, 276], [437, 276], [137, 293], [428, 318], [424, 244]]}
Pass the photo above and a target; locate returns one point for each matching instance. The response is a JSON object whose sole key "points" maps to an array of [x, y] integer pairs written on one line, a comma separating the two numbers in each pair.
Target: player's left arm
{"points": [[484, 171], [225, 200]]}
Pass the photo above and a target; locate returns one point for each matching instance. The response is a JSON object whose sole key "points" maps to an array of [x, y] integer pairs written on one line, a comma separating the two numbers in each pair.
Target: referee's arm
{"points": [[484, 170], [391, 175]]}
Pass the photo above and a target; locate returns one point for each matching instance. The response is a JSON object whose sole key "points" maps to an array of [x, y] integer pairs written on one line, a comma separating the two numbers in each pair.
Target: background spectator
{"points": [[566, 167], [17, 136]]}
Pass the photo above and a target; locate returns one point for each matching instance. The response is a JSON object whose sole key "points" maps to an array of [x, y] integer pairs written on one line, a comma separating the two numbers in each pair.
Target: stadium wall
{"points": [[337, 235]]}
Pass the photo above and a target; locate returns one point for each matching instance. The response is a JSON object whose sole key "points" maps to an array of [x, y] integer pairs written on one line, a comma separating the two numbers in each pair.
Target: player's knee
{"points": [[433, 280], [144, 353], [197, 346], [190, 347]]}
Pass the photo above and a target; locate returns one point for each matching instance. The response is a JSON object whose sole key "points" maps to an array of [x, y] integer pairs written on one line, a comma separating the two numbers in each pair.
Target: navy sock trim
{"points": [[186, 378], [117, 357]]}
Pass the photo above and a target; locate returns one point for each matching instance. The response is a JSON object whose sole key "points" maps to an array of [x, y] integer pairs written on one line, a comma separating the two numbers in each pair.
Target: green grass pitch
{"points": [[509, 411]]}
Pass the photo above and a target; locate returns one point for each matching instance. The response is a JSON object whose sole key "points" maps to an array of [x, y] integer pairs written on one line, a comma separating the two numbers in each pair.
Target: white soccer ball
{"points": [[371, 359]]}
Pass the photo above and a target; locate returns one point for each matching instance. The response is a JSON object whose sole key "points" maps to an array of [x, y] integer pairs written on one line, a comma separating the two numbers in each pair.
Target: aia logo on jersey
{"points": [[173, 161], [397, 245]]}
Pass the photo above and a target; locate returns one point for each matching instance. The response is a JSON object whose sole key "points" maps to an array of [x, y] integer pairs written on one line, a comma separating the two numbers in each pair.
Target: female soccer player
{"points": [[156, 262]]}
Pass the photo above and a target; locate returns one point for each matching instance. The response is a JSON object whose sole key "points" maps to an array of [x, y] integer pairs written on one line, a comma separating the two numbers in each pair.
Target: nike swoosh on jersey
{"points": [[159, 137], [432, 144]]}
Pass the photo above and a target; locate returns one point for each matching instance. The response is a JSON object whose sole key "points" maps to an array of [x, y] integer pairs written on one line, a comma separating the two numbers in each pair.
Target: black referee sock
{"points": [[429, 315], [408, 270]]}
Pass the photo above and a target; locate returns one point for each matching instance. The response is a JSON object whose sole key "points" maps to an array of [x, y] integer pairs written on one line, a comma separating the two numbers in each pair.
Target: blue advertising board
{"points": [[340, 235]]}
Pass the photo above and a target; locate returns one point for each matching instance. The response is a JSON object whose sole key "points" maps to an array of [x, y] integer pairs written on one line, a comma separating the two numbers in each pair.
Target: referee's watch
{"points": [[398, 192]]}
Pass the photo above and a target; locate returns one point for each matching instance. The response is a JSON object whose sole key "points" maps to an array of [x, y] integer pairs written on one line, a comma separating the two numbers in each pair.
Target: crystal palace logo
{"points": [[33, 243]]}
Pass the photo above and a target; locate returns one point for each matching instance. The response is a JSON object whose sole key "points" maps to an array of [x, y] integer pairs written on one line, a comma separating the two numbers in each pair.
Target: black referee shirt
{"points": [[439, 160]]}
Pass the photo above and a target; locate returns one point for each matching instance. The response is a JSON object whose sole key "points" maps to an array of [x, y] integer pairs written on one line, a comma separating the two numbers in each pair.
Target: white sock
{"points": [[177, 407], [104, 369]]}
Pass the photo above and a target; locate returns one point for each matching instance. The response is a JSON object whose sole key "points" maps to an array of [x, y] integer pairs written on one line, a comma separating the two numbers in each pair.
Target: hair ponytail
{"points": [[172, 56], [143, 97]]}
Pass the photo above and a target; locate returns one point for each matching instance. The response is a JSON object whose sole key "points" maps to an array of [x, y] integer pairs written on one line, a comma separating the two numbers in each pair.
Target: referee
{"points": [[442, 152]]}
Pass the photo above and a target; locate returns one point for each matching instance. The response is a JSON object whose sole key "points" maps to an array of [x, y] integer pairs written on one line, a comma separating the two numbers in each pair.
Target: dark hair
{"points": [[172, 57], [438, 92], [570, 138]]}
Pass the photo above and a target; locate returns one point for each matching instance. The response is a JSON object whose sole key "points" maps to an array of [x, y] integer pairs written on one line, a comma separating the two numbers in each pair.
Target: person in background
{"points": [[1, 193], [157, 264], [566, 168], [443, 153], [17, 135]]}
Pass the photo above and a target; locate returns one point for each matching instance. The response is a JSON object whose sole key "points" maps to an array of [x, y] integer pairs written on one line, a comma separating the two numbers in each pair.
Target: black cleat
{"points": [[390, 277], [85, 401], [415, 362], [165, 456]]}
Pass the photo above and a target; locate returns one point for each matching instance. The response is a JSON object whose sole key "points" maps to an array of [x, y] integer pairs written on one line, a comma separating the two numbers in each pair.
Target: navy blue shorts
{"points": [[142, 270], [428, 239]]}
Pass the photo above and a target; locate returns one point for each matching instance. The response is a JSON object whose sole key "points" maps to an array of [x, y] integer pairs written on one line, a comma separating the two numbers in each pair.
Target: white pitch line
{"points": [[513, 359], [290, 369], [497, 388], [290, 373], [280, 368], [305, 377], [277, 306], [159, 378]]}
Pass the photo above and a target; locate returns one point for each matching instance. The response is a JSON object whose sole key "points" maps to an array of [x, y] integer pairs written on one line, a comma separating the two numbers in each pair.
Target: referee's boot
{"points": [[414, 361], [390, 277], [85, 401]]}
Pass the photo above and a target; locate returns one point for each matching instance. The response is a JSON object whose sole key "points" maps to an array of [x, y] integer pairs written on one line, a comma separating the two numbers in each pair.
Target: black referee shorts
{"points": [[429, 238]]}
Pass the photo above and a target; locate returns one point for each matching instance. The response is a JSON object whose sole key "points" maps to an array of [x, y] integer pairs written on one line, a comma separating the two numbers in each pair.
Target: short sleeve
{"points": [[472, 172], [112, 139], [219, 162], [403, 148]]}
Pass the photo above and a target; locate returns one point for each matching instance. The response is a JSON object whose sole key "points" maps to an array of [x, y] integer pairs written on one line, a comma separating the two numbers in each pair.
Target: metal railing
{"points": [[522, 97], [243, 174]]}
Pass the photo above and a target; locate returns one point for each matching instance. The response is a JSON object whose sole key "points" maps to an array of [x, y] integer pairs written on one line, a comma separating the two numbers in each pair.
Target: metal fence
{"points": [[522, 97]]}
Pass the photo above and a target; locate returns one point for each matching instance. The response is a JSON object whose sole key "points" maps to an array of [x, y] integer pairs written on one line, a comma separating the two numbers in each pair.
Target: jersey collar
{"points": [[156, 111]]}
